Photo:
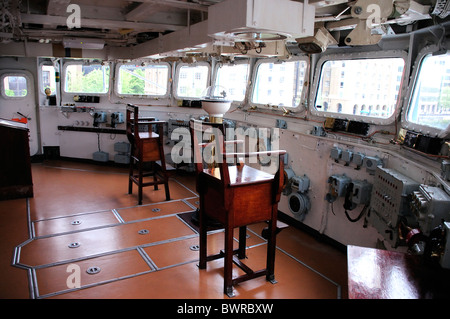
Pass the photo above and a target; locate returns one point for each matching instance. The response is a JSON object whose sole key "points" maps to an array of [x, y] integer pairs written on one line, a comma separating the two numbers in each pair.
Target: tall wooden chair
{"points": [[147, 149], [236, 195]]}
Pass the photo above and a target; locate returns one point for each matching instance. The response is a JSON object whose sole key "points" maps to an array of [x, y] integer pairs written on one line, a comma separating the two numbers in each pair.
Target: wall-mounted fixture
{"points": [[83, 43], [99, 117], [254, 21]]}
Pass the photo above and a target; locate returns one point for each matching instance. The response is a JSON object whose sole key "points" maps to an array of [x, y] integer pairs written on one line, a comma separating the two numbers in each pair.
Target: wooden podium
{"points": [[15, 163]]}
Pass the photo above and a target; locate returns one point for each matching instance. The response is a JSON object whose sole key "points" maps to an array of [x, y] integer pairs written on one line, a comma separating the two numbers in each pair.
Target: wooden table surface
{"points": [[382, 274]]}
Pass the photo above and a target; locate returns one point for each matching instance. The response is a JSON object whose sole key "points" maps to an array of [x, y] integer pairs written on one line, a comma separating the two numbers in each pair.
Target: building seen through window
{"points": [[367, 87], [430, 102]]}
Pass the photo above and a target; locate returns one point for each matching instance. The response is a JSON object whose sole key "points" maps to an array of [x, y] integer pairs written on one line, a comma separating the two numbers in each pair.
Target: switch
{"points": [[336, 153], [347, 156]]}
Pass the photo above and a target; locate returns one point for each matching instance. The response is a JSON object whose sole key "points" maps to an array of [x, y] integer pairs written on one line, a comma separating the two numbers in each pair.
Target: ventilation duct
{"points": [[255, 21]]}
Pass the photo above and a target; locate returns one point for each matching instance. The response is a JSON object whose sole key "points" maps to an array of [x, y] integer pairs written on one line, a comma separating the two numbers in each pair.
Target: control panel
{"points": [[389, 194], [389, 201], [430, 206]]}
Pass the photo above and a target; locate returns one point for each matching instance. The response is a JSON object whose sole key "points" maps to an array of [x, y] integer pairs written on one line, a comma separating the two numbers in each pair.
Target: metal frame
{"points": [[358, 55]]}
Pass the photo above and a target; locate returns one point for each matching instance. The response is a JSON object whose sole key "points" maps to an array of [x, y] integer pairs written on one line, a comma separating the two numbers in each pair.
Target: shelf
{"points": [[92, 129]]}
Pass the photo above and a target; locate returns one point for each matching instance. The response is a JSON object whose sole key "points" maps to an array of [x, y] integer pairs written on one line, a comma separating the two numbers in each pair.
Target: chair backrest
{"points": [[208, 147], [213, 153], [131, 120], [134, 122], [145, 142]]}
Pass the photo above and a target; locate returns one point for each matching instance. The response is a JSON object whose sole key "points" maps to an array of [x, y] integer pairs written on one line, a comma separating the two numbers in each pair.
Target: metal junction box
{"points": [[430, 205], [389, 201]]}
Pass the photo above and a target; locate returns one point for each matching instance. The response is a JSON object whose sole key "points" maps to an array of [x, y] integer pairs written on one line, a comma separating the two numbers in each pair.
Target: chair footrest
{"points": [[159, 181], [249, 273]]}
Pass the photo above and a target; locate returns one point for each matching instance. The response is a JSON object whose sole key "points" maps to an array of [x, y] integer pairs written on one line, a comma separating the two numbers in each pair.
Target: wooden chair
{"points": [[235, 195], [147, 149]]}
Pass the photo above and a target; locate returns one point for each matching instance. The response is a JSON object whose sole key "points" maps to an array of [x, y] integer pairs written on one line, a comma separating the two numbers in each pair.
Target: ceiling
{"points": [[127, 24]]}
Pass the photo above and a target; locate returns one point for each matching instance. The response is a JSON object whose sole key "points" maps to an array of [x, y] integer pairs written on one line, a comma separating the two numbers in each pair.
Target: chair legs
{"points": [[138, 179], [229, 255]]}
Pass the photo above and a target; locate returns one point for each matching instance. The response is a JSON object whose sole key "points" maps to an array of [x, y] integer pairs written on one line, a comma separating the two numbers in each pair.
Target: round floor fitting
{"points": [[76, 222], [155, 210], [93, 270], [195, 248], [143, 232], [74, 245]]}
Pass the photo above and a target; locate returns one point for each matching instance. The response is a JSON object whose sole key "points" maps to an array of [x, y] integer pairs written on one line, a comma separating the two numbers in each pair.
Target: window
{"points": [[279, 83], [378, 81], [192, 80], [430, 102], [143, 80], [86, 78], [14, 86], [233, 77], [48, 79]]}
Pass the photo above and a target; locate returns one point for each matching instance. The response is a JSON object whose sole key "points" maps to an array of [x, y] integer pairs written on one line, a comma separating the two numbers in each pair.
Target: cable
{"points": [[354, 220], [98, 142]]}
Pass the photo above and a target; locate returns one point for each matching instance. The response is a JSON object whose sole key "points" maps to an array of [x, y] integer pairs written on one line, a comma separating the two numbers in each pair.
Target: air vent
{"points": [[249, 20]]}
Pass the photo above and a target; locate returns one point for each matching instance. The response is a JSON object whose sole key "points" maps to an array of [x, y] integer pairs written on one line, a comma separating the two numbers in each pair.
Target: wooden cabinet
{"points": [[15, 162]]}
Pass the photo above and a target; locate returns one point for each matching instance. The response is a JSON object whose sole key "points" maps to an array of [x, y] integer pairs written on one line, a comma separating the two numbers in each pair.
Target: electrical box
{"points": [[347, 156], [99, 117], [299, 205], [318, 131], [430, 205], [122, 147], [336, 153], [122, 158], [100, 156], [358, 159], [338, 187], [301, 184], [116, 118], [389, 201], [361, 192], [299, 202], [371, 163]]}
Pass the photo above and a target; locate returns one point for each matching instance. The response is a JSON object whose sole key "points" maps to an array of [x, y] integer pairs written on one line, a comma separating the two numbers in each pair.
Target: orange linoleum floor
{"points": [[81, 221]]}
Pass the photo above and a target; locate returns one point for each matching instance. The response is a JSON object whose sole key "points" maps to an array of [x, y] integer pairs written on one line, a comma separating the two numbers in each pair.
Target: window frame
{"points": [[177, 76], [303, 94], [219, 65], [2, 86], [405, 123], [85, 62], [40, 81], [353, 56], [124, 95]]}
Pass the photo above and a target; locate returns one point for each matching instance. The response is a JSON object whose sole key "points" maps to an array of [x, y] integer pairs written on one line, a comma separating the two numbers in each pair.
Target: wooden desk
{"points": [[382, 274]]}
